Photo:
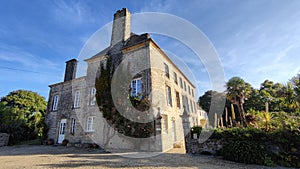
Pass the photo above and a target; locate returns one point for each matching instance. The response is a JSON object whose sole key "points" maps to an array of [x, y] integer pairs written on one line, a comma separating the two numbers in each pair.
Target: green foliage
{"points": [[256, 146], [108, 107], [275, 120], [249, 152], [22, 115], [237, 92], [196, 130]]}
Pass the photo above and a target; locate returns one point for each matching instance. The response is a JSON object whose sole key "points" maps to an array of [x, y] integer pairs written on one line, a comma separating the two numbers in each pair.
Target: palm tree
{"points": [[237, 92]]}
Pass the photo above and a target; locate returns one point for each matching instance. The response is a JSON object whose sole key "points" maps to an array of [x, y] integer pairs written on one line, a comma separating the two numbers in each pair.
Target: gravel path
{"points": [[62, 157]]}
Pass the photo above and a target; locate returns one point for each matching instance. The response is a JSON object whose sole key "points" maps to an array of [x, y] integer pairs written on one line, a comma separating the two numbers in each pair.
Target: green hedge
{"points": [[254, 146]]}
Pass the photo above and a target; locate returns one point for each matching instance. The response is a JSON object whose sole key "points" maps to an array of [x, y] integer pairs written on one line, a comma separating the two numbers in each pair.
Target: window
{"points": [[90, 124], [177, 99], [173, 131], [169, 95], [164, 124], [77, 99], [180, 81], [175, 77], [93, 96], [187, 104], [195, 107], [184, 86], [136, 87], [193, 92], [72, 131], [183, 102], [189, 89], [167, 70], [191, 103], [62, 128], [55, 102]]}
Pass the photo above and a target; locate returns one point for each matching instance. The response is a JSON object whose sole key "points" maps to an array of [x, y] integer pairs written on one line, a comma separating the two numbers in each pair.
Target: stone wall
{"points": [[209, 147], [4, 139]]}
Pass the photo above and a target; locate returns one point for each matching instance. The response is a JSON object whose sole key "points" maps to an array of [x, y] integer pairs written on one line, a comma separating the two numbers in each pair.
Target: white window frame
{"points": [[169, 95], [135, 91], [77, 99], [175, 78], [90, 124], [192, 108], [93, 96], [180, 81], [55, 102], [167, 70], [73, 122], [177, 95]]}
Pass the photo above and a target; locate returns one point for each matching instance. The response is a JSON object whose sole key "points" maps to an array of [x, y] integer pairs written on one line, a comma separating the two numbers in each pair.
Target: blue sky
{"points": [[255, 39]]}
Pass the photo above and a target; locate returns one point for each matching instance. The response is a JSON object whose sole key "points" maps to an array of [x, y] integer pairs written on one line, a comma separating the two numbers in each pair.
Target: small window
{"points": [[193, 93], [183, 102], [173, 131], [164, 123], [177, 99], [55, 102], [189, 89], [195, 107], [169, 95], [175, 77], [136, 87], [191, 103], [187, 104], [167, 71], [180, 81], [77, 99], [184, 86], [62, 128], [93, 96], [72, 131], [90, 124]]}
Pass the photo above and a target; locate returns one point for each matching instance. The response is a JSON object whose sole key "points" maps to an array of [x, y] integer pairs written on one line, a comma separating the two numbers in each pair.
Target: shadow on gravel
{"points": [[93, 158]]}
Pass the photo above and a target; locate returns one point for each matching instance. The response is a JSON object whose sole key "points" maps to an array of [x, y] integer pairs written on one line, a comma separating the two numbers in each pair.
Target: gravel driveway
{"points": [[62, 157]]}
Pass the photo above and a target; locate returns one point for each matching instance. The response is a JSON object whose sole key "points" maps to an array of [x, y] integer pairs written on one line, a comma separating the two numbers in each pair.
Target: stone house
{"points": [[73, 113]]}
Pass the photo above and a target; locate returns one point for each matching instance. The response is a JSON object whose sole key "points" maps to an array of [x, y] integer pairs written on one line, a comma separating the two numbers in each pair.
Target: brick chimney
{"points": [[121, 26], [70, 72]]}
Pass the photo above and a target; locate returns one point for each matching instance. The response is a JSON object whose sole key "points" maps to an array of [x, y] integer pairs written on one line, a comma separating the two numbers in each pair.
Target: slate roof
{"points": [[133, 40]]}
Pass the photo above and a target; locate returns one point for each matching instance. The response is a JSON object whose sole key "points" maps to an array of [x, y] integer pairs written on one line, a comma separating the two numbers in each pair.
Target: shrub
{"points": [[196, 130], [65, 142], [249, 152], [256, 146]]}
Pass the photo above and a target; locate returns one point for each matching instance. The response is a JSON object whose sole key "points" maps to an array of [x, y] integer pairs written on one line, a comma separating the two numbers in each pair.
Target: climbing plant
{"points": [[108, 108]]}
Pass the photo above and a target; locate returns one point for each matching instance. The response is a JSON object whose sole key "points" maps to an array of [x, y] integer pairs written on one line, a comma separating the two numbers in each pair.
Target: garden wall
{"points": [[4, 139]]}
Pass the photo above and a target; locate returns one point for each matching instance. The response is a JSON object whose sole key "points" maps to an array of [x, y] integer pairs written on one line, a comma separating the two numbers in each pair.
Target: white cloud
{"points": [[13, 54], [72, 11]]}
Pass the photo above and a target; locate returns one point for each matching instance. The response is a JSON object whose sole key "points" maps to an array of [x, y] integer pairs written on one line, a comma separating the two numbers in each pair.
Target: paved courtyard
{"points": [[62, 157]]}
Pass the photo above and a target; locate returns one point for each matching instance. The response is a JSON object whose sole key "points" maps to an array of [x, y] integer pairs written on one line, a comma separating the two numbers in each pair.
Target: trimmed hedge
{"points": [[255, 146]]}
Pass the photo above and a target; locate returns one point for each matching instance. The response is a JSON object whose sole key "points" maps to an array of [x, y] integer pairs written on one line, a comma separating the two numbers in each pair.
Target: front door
{"points": [[62, 129]]}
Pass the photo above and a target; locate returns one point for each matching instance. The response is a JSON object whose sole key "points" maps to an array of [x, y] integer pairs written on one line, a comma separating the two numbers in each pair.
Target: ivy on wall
{"points": [[108, 108]]}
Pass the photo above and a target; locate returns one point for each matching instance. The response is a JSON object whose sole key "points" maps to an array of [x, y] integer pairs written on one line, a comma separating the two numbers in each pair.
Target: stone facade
{"points": [[171, 93]]}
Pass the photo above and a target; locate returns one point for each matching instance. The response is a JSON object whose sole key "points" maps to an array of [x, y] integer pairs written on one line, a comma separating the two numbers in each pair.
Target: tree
{"points": [[295, 82], [22, 115], [205, 100], [237, 92], [254, 101]]}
